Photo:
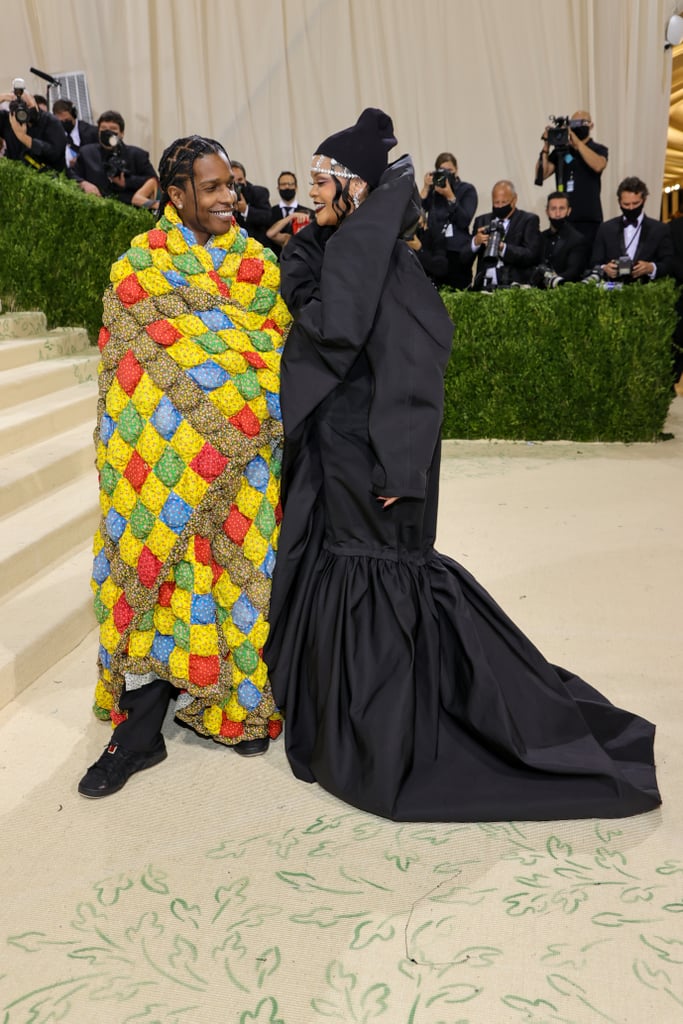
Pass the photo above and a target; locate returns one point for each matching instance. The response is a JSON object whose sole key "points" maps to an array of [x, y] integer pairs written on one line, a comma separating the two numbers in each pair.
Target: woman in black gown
{"points": [[407, 692]]}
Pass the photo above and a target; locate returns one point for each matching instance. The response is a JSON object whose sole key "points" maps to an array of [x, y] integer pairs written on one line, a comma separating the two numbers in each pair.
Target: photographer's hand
{"points": [[20, 131], [426, 185], [482, 236], [119, 180], [241, 204], [642, 269], [610, 269], [87, 186], [446, 191]]}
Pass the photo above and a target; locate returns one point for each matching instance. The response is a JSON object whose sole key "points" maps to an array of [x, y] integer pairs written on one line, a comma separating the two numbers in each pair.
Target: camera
{"points": [[440, 178], [496, 231], [558, 135], [624, 268], [115, 163], [543, 276], [18, 106], [238, 189]]}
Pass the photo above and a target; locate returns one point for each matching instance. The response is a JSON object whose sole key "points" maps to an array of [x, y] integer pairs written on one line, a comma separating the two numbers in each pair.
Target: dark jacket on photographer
{"points": [[432, 254], [565, 251], [451, 221], [91, 165], [48, 141], [522, 247], [257, 219], [651, 243]]}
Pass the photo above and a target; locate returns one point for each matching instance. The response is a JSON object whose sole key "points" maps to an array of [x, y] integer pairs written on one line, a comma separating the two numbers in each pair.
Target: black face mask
{"points": [[109, 139], [582, 132], [558, 222], [631, 216], [68, 126], [287, 194], [502, 211]]}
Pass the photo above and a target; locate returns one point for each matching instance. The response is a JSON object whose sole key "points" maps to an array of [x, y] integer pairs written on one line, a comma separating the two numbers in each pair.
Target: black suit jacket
{"points": [[257, 220], [522, 247], [48, 141], [276, 214], [88, 133], [569, 256], [90, 166], [654, 245]]}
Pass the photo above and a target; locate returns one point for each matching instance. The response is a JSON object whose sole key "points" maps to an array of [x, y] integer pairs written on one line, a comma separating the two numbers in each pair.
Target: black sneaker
{"points": [[112, 770], [250, 748]]}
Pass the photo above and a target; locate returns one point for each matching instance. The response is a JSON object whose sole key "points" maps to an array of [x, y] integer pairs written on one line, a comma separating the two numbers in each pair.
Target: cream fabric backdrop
{"points": [[270, 80]]}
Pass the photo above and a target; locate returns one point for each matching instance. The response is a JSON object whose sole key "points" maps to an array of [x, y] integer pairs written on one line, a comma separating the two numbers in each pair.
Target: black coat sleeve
{"points": [[461, 214], [525, 251], [663, 255], [600, 255], [140, 168], [258, 214], [408, 352], [49, 147], [574, 259]]}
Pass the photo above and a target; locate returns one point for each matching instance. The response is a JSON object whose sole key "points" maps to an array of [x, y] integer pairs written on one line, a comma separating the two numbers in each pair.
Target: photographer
{"points": [[110, 168], [449, 205], [30, 134], [506, 241], [252, 209], [288, 216], [564, 250], [78, 133], [577, 162], [632, 247], [430, 250]]}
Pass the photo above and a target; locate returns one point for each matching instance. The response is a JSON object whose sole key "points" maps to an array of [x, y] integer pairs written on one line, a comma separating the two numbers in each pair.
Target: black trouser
{"points": [[146, 709]]}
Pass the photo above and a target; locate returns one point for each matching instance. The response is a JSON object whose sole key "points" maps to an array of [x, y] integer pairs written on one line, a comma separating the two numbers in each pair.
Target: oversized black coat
{"points": [[406, 691]]}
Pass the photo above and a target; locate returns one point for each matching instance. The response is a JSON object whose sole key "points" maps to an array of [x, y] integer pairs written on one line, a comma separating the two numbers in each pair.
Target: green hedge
{"points": [[57, 245], [576, 363]]}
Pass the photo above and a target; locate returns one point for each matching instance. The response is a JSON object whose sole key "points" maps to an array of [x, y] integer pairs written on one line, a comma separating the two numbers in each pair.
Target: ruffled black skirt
{"points": [[406, 690]]}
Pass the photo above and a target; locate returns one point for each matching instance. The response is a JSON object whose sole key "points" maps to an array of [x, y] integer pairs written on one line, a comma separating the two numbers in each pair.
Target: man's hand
{"points": [[241, 204], [119, 180], [87, 186], [386, 501], [446, 191], [642, 269], [610, 269], [574, 140], [20, 131], [482, 236]]}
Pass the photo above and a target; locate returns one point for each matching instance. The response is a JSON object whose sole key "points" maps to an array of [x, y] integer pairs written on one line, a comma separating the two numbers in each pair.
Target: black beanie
{"points": [[364, 147]]}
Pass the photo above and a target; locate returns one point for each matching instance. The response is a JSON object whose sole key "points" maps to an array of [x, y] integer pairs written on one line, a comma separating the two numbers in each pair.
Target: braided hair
{"points": [[176, 166]]}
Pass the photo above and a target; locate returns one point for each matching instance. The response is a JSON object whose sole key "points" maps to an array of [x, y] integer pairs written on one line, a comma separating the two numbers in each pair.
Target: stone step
{"points": [[43, 621], [24, 383], [22, 325], [32, 539], [33, 421], [25, 351], [30, 474]]}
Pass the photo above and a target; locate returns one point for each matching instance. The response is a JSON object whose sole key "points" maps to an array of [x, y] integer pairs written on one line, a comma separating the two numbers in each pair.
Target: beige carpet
{"points": [[214, 889]]}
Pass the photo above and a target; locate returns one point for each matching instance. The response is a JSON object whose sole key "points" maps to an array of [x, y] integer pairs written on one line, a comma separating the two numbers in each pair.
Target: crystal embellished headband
{"points": [[337, 169]]}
